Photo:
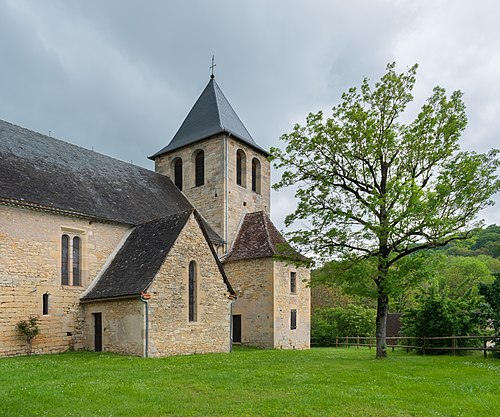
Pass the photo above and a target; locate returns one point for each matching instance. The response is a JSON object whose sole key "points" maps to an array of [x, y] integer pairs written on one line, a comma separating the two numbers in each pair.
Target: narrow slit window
{"points": [[199, 169], [256, 175], [293, 282], [178, 173], [65, 260], [76, 261], [192, 291], [293, 319], [45, 304]]}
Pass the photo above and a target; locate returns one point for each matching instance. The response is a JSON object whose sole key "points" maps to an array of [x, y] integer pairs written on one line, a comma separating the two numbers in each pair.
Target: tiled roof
{"points": [[135, 265], [259, 238], [211, 114], [43, 172], [137, 262]]}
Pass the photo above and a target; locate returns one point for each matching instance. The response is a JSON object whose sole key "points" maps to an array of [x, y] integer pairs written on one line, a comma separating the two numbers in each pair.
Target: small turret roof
{"points": [[259, 238], [211, 114]]}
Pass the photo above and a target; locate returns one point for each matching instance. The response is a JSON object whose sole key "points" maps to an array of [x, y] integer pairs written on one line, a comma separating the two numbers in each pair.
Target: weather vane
{"points": [[212, 67]]}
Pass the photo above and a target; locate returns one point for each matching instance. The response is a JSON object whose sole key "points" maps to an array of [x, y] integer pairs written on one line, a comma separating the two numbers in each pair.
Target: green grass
{"points": [[250, 382]]}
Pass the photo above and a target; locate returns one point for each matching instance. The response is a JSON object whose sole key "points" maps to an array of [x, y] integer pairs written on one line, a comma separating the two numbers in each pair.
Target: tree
{"points": [[371, 187]]}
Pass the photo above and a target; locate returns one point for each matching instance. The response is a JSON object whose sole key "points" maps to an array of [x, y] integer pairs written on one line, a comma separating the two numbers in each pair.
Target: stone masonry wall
{"points": [[253, 282], [210, 198], [30, 266], [241, 199], [171, 332], [285, 301], [123, 326]]}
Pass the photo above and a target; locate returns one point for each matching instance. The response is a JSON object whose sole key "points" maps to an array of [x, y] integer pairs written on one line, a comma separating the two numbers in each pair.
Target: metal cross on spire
{"points": [[212, 67]]}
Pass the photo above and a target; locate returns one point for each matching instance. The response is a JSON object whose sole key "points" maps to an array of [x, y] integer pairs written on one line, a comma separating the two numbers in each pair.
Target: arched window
{"points": [[241, 168], [199, 171], [65, 260], [178, 173], [256, 175], [76, 261], [192, 291]]}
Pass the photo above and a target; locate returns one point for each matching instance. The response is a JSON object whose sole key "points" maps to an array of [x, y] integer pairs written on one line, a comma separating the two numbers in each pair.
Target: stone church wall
{"points": [[171, 332], [30, 266], [241, 198], [210, 198], [285, 301], [123, 326], [252, 281]]}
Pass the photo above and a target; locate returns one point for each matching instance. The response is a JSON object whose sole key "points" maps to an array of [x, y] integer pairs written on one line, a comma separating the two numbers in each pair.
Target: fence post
{"points": [[336, 341], [423, 346], [485, 345], [453, 344], [347, 341], [357, 342]]}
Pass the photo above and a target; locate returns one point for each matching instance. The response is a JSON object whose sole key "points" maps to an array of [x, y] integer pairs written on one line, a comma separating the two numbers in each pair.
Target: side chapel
{"points": [[114, 257]]}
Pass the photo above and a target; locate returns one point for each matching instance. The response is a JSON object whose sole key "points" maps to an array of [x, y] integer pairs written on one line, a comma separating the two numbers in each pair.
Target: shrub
{"points": [[437, 315], [330, 323], [29, 329]]}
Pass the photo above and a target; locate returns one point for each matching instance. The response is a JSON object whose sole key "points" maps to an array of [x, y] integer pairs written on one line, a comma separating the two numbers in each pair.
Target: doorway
{"points": [[237, 328], [97, 332]]}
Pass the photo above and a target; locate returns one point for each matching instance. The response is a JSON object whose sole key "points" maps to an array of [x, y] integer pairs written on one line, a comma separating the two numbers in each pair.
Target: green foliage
{"points": [[461, 276], [329, 323], [484, 241], [376, 190], [438, 315], [29, 329], [491, 293]]}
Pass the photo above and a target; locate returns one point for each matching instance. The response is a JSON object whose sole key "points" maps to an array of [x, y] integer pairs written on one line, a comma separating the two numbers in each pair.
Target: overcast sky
{"points": [[119, 76]]}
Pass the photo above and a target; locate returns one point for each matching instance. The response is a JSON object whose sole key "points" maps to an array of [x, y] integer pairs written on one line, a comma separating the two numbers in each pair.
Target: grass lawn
{"points": [[250, 382]]}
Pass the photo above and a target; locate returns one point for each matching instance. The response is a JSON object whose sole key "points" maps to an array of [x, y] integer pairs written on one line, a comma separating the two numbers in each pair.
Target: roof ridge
{"points": [[217, 106], [266, 228], [66, 142]]}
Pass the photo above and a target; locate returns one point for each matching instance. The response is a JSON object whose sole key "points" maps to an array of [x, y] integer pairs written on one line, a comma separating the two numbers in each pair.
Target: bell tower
{"points": [[218, 166]]}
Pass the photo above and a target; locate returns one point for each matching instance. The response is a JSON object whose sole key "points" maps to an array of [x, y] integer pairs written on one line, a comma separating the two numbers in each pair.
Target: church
{"points": [[115, 257]]}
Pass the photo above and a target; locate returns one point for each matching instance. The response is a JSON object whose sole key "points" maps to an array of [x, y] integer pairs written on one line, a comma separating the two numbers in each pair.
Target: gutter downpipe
{"points": [[231, 324], [226, 168], [144, 298]]}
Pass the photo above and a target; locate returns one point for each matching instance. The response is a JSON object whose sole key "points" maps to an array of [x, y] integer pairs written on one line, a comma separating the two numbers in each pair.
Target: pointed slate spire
{"points": [[211, 114]]}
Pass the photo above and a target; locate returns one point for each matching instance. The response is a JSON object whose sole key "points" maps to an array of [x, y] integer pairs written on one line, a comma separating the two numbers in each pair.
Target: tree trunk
{"points": [[381, 329]]}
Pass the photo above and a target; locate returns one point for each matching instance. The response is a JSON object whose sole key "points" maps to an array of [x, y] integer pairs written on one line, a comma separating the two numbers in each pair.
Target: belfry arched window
{"points": [[192, 296], [256, 175], [178, 173], [199, 170], [241, 168]]}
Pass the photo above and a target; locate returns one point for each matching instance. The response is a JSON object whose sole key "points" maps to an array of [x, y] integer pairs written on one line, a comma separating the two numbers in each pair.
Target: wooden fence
{"points": [[426, 345]]}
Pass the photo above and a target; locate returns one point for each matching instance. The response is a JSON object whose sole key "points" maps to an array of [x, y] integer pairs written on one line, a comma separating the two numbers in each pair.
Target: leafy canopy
{"points": [[371, 185]]}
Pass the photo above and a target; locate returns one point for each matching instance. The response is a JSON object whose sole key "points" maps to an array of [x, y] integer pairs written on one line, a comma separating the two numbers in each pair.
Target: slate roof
{"points": [[44, 172], [211, 114], [259, 238], [137, 262]]}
